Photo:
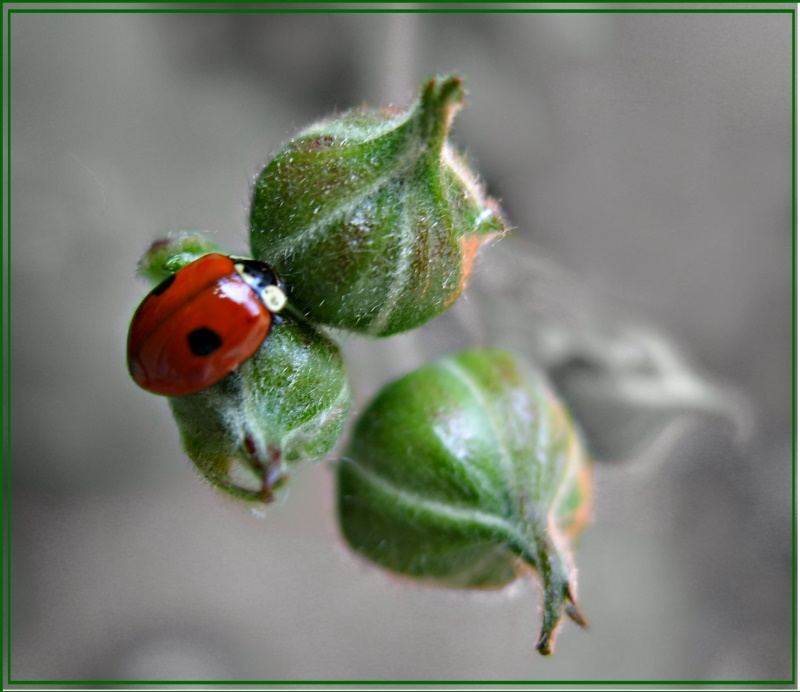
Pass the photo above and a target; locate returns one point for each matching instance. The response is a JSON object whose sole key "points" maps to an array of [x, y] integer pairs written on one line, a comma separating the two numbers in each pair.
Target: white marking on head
{"points": [[273, 298]]}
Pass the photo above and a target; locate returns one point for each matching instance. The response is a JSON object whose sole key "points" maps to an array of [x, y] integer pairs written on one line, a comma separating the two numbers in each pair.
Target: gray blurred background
{"points": [[649, 155]]}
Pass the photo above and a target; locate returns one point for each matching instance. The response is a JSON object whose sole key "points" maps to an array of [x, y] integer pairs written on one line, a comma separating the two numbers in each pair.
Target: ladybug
{"points": [[201, 323]]}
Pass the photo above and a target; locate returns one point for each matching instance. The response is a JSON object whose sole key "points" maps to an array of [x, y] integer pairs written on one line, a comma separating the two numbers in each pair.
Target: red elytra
{"points": [[200, 324]]}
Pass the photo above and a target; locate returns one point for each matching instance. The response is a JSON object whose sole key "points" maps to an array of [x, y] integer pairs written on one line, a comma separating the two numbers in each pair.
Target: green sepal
{"points": [[166, 256], [465, 473], [371, 217]]}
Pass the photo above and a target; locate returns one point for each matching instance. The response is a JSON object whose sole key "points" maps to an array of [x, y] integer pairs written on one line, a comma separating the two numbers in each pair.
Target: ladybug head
{"points": [[264, 281]]}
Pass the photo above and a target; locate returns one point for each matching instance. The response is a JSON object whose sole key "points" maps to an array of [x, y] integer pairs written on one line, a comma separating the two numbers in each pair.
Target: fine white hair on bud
{"points": [[372, 218]]}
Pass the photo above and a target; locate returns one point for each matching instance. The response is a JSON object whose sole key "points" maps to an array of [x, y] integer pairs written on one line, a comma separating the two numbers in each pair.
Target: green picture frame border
{"points": [[354, 7]]}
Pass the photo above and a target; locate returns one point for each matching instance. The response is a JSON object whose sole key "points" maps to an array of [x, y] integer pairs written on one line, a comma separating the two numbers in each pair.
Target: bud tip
{"points": [[440, 100]]}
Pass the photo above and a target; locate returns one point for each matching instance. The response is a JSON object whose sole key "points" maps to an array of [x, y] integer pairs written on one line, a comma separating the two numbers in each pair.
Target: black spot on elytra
{"points": [[163, 286], [203, 341]]}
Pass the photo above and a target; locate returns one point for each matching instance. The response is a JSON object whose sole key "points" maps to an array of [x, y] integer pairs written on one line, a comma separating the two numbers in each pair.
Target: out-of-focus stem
{"points": [[396, 77]]}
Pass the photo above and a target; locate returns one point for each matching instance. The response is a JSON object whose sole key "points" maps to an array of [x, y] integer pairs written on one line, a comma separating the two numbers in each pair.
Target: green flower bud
{"points": [[167, 255], [285, 405], [371, 217], [467, 472]]}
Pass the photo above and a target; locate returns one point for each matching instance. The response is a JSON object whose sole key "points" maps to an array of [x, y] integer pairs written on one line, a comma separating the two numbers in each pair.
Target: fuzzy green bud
{"points": [[465, 473], [285, 404], [371, 217]]}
